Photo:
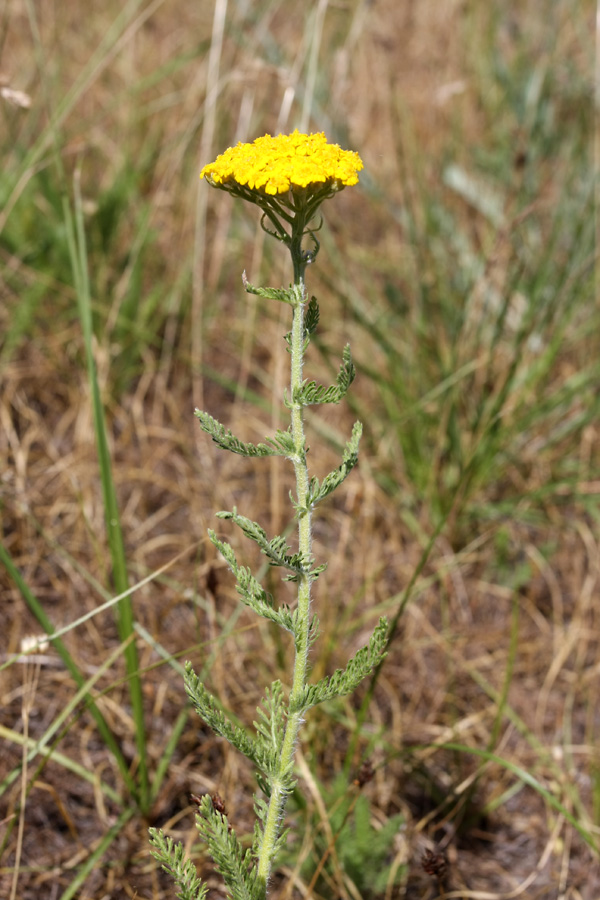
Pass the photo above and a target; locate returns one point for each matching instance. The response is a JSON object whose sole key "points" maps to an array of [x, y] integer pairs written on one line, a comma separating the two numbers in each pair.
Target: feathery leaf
{"points": [[276, 549], [292, 295], [344, 681], [316, 491], [281, 444], [310, 393], [250, 591], [236, 865], [171, 857], [208, 708]]}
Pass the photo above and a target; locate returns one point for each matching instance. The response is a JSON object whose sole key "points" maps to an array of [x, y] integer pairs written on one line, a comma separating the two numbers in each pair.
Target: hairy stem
{"points": [[277, 800]]}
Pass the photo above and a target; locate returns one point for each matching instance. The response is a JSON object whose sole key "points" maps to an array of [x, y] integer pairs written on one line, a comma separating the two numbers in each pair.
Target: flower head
{"points": [[273, 166], [288, 177]]}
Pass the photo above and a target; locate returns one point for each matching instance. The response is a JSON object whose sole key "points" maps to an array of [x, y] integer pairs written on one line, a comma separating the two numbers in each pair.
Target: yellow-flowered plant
{"points": [[288, 177], [289, 162]]}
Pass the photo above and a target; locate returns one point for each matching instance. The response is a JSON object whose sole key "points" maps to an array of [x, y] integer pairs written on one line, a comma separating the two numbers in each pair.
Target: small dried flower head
{"points": [[15, 98], [435, 863], [273, 166], [34, 642], [218, 804], [365, 774]]}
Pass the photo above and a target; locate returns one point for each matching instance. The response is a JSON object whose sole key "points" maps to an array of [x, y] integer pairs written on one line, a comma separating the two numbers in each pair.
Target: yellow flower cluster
{"points": [[276, 165]]}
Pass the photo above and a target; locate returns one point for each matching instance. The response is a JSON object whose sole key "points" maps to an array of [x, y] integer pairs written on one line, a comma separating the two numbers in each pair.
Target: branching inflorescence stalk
{"points": [[288, 177]]}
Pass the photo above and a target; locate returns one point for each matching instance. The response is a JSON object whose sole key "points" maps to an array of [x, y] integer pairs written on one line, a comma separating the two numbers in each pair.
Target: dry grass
{"points": [[498, 649]]}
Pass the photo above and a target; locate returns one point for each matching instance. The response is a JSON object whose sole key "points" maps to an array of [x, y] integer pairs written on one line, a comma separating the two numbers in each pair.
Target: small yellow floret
{"points": [[276, 165]]}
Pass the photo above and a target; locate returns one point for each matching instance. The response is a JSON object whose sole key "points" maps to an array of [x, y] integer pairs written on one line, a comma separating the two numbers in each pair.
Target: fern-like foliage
{"points": [[344, 681], [272, 717], [313, 574], [316, 491], [236, 865], [311, 320], [251, 593], [171, 857], [261, 811], [293, 295], [276, 549], [365, 853], [310, 393], [281, 444], [208, 708]]}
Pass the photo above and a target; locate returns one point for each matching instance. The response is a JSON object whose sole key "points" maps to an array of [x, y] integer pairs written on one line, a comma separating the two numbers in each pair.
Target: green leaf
{"points": [[276, 549], [208, 708], [261, 809], [293, 295], [272, 717], [312, 574], [282, 444], [311, 320], [171, 857], [250, 590], [310, 393], [344, 681], [331, 481], [365, 853], [76, 239], [236, 865]]}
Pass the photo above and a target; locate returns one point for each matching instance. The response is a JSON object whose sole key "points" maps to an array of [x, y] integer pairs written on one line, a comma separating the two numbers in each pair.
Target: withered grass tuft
{"points": [[469, 303]]}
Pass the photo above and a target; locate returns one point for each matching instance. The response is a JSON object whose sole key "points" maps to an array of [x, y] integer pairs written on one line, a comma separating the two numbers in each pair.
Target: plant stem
{"points": [[280, 781]]}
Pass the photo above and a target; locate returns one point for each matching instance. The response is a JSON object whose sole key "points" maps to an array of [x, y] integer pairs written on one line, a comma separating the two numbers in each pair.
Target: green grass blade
{"points": [[124, 610], [70, 765], [98, 853], [167, 755], [55, 730], [528, 779], [38, 611]]}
